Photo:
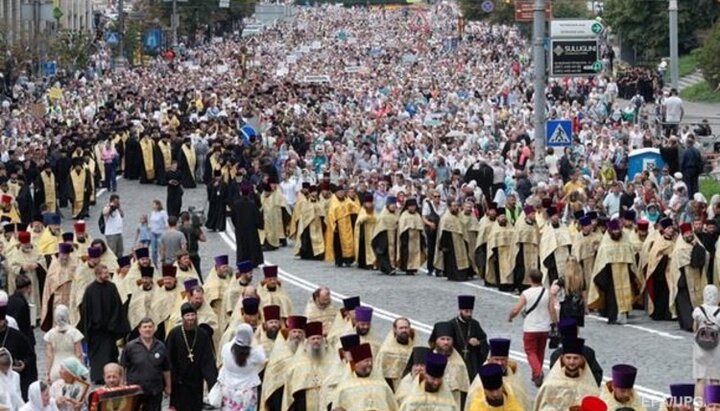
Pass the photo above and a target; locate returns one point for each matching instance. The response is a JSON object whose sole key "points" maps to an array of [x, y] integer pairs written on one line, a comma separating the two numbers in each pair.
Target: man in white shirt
{"points": [[113, 215], [289, 188], [674, 113]]}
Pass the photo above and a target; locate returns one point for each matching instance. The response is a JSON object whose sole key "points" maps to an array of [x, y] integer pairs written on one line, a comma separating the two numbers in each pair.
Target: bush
{"points": [[709, 57]]}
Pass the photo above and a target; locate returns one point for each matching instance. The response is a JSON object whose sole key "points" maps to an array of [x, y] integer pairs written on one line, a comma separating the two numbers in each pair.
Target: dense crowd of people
{"points": [[390, 140]]}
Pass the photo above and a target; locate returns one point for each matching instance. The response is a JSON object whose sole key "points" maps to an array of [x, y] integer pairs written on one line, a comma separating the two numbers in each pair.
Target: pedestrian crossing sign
{"points": [[559, 133]]}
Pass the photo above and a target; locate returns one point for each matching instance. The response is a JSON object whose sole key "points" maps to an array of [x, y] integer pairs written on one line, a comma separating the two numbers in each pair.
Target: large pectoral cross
{"points": [[191, 357]]}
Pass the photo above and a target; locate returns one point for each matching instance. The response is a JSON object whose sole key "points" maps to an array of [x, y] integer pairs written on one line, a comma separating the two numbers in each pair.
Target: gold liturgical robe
{"points": [[554, 241], [626, 279], [661, 247], [584, 249], [294, 228], [472, 228], [411, 241], [166, 151], [500, 252], [387, 222], [79, 185], [364, 228], [695, 278], [274, 206], [146, 148], [187, 274], [560, 392], [276, 371], [392, 358], [420, 400], [215, 289], [606, 394], [325, 315], [56, 291], [306, 375], [140, 305], [338, 218], [205, 315], [451, 224], [364, 394], [527, 237], [48, 182], [278, 297], [513, 384], [21, 260], [310, 215], [163, 304], [456, 376], [510, 403], [47, 243], [83, 277]]}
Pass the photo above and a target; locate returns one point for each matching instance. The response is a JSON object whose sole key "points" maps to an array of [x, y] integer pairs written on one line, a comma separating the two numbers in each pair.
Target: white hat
{"points": [[243, 335], [678, 175]]}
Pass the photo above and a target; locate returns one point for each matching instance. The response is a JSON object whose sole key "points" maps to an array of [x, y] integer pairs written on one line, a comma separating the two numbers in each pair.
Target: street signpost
{"points": [[559, 133], [112, 38], [575, 28], [524, 11], [49, 68], [574, 57]]}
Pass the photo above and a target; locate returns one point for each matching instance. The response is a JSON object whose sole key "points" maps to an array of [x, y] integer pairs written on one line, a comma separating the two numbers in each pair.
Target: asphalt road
{"points": [[660, 350]]}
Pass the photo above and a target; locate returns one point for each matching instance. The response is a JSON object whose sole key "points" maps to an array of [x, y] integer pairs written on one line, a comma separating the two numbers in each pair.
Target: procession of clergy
{"points": [[458, 368]]}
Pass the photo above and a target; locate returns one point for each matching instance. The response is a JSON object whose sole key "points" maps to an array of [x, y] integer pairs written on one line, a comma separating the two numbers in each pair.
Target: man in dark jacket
{"points": [[482, 173], [691, 166]]}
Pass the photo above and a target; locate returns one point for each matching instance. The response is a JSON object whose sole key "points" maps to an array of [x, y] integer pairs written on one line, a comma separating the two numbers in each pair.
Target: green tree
{"points": [[643, 24], [73, 49], [570, 9], [709, 57]]}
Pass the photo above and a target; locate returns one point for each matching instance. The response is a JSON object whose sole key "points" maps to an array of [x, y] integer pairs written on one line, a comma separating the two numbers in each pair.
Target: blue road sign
{"points": [[559, 133], [49, 68], [153, 40], [112, 38], [487, 6]]}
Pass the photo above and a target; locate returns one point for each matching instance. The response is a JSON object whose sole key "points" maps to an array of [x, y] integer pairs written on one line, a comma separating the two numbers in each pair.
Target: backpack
{"points": [[707, 336], [101, 224]]}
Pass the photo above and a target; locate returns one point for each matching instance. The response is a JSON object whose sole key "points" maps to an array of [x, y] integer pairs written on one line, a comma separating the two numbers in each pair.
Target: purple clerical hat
{"points": [[623, 376], [499, 347], [712, 395], [435, 364], [363, 314], [491, 376]]}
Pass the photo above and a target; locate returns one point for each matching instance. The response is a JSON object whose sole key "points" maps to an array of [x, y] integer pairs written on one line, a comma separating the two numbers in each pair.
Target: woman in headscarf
{"points": [[62, 341], [238, 377], [39, 398], [10, 396], [65, 391], [706, 363]]}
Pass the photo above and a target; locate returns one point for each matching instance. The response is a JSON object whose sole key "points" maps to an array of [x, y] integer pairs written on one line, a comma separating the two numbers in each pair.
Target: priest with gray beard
{"points": [[307, 372], [282, 358]]}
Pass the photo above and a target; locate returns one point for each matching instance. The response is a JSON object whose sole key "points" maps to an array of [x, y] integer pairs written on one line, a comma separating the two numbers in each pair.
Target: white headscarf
{"points": [[61, 317], [35, 400], [710, 296]]}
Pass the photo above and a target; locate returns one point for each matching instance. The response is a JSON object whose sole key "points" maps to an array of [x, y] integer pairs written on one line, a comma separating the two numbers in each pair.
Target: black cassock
{"points": [[381, 248], [174, 193], [26, 208], [159, 164], [188, 176], [19, 309], [103, 322], [473, 356], [247, 220], [658, 288], [133, 162], [217, 193], [62, 179], [188, 373]]}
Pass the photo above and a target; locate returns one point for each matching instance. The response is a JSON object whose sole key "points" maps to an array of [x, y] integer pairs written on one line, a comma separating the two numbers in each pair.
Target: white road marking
{"points": [[229, 238]]}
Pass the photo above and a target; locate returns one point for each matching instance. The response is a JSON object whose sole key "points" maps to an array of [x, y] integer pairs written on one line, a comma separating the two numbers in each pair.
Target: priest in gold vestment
{"points": [[568, 382], [340, 229], [310, 237], [619, 392], [411, 244], [395, 352], [310, 365], [688, 266], [555, 247], [364, 228], [500, 252], [526, 250], [451, 253], [616, 283], [361, 391], [493, 393], [276, 215], [431, 394]]}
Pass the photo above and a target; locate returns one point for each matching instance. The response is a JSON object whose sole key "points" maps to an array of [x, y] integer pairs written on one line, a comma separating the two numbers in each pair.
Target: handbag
{"points": [[214, 397], [707, 336], [554, 336]]}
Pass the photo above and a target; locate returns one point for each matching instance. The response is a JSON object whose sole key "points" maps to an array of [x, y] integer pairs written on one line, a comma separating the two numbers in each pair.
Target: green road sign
{"points": [[597, 66], [596, 28]]}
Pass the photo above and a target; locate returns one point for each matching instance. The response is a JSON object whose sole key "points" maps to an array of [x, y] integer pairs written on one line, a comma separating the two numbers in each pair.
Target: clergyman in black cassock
{"points": [[133, 161], [185, 156], [217, 194], [103, 321], [247, 220], [19, 308], [470, 340], [174, 190], [192, 361]]}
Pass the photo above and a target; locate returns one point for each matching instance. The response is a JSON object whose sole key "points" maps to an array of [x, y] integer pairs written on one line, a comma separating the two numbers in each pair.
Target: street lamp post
{"points": [[674, 59], [121, 61], [540, 171]]}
